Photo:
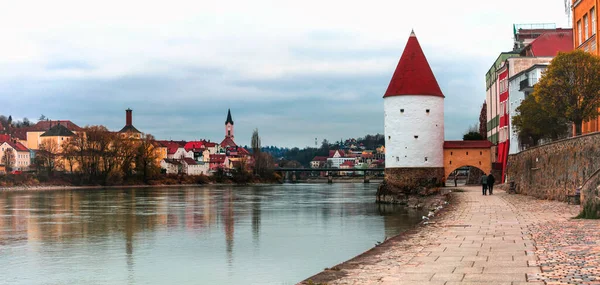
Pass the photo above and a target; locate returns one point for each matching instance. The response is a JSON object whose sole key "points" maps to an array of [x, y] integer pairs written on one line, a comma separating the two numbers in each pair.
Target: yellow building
{"points": [[34, 134]]}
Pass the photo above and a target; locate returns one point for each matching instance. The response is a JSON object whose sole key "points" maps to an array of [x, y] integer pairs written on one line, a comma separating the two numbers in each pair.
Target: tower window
{"points": [[426, 158], [401, 110], [389, 137], [450, 162], [229, 133], [397, 159], [416, 137], [467, 153], [481, 153], [450, 153], [480, 163], [427, 111]]}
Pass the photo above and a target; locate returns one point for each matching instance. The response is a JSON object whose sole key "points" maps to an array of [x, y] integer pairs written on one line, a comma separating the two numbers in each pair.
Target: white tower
{"points": [[414, 118]]}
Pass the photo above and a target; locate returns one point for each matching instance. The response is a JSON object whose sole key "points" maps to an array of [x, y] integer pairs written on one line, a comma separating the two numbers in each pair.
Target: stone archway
{"points": [[471, 177], [467, 153]]}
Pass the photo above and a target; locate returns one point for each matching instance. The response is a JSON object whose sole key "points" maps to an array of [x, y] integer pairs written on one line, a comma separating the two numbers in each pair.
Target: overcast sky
{"points": [[296, 70]]}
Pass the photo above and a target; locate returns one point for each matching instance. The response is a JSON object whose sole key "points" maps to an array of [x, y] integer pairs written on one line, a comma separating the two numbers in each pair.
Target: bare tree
{"points": [[8, 159]]}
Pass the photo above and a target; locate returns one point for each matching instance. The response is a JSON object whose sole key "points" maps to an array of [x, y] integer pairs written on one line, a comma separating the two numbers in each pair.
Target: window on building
{"points": [[593, 18], [401, 110], [427, 111], [397, 159], [426, 158], [587, 27], [579, 38], [416, 137]]}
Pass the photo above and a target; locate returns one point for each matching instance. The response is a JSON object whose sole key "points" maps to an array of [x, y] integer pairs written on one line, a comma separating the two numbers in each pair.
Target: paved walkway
{"points": [[498, 239]]}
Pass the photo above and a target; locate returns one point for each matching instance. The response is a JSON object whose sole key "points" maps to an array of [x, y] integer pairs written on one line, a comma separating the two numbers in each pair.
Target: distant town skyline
{"points": [[295, 71]]}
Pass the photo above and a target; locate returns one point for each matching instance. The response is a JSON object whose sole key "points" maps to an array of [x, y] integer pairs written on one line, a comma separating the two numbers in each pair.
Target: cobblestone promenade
{"points": [[498, 239]]}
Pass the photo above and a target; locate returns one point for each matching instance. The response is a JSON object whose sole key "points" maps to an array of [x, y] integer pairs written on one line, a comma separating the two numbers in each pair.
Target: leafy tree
{"points": [[570, 87], [473, 136], [533, 123], [483, 120]]}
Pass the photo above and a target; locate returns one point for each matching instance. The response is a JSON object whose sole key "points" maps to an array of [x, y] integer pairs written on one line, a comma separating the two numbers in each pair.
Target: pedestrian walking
{"points": [[490, 183], [484, 180], [455, 179]]}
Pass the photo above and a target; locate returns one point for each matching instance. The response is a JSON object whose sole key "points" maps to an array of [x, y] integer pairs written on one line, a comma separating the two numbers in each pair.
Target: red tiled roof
{"points": [[413, 76], [319, 158], [17, 146], [189, 161], [217, 158], [227, 142], [468, 144], [332, 153], [171, 146], [46, 125], [552, 42], [210, 144], [194, 145], [20, 133], [348, 163], [4, 138]]}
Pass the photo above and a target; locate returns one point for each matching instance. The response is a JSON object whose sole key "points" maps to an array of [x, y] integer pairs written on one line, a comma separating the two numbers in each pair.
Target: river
{"points": [[271, 234]]}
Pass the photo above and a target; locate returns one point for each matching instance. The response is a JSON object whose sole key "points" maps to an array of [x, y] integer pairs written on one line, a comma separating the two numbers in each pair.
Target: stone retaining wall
{"points": [[555, 170], [400, 183]]}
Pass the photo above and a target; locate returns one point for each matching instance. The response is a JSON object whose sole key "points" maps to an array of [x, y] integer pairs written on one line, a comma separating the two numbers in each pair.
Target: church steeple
{"points": [[229, 125], [229, 120]]}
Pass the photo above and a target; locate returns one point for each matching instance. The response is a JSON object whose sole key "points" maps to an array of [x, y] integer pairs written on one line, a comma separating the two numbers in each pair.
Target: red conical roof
{"points": [[413, 76]]}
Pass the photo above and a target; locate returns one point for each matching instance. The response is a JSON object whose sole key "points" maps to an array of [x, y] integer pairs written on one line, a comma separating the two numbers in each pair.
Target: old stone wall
{"points": [[590, 196], [555, 170], [400, 183]]}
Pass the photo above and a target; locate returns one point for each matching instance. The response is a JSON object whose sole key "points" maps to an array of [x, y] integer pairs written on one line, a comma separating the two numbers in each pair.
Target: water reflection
{"points": [[218, 235]]}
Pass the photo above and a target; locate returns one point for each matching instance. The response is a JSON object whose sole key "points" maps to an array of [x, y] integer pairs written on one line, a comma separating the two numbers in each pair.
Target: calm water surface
{"points": [[276, 234]]}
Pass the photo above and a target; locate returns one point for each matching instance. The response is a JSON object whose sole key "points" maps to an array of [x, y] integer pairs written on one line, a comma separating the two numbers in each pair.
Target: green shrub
{"points": [[590, 210]]}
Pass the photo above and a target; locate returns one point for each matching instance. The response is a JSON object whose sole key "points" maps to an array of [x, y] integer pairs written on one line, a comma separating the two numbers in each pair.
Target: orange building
{"points": [[585, 29], [467, 153]]}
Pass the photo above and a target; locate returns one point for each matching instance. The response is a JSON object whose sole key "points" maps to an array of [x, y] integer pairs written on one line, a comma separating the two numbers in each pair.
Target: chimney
{"points": [[128, 117]]}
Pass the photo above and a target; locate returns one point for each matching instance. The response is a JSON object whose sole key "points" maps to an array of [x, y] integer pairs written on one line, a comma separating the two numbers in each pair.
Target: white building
{"points": [[180, 153], [414, 113], [337, 158], [520, 86], [19, 154], [192, 167]]}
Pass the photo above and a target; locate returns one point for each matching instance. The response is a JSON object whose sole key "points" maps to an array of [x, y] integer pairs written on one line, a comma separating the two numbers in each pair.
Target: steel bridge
{"points": [[287, 171]]}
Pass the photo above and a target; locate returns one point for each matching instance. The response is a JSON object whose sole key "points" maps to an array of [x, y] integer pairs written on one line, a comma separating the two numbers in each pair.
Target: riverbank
{"points": [[497, 239]]}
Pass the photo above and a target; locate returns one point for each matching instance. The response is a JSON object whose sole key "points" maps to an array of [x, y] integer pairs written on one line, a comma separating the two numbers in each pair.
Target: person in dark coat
{"points": [[483, 183], [490, 183]]}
